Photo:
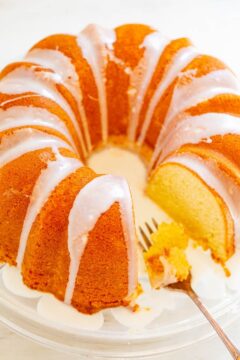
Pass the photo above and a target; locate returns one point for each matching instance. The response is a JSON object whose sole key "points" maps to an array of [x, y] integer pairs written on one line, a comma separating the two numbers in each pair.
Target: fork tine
{"points": [[145, 238], [150, 230], [143, 248], [155, 223]]}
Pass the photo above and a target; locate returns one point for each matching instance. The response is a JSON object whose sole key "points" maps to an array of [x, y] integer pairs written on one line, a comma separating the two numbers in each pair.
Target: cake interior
{"points": [[189, 201]]}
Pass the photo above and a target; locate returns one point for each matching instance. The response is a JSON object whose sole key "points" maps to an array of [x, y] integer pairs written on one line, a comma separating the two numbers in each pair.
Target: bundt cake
{"points": [[71, 231]]}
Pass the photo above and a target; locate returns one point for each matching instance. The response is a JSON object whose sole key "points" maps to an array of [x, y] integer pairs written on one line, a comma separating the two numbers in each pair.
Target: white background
{"points": [[214, 26]]}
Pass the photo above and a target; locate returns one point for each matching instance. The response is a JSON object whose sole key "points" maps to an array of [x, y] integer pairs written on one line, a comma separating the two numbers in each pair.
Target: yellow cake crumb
{"points": [[178, 260], [165, 260]]}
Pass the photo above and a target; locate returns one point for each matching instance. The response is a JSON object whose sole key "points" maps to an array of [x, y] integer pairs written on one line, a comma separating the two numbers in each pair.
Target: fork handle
{"points": [[230, 346]]}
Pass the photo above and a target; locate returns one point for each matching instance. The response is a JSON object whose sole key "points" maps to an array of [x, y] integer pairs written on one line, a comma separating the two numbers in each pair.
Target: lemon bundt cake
{"points": [[71, 231]]}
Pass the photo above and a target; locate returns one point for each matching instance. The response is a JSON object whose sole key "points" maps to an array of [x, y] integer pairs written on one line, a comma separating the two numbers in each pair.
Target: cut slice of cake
{"points": [[194, 194]]}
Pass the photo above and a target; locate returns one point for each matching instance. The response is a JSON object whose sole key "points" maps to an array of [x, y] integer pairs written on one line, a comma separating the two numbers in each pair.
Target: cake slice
{"points": [[195, 193]]}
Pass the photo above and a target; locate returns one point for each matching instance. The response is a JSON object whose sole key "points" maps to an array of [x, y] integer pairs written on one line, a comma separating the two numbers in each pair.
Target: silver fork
{"points": [[185, 287]]}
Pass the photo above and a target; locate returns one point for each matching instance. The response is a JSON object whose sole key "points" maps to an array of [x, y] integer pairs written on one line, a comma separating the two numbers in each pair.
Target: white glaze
{"points": [[179, 61], [107, 189], [95, 43], [62, 65], [140, 78], [12, 280], [233, 264], [18, 116], [208, 277], [52, 310], [201, 89], [196, 91], [193, 129], [48, 180], [59, 63], [217, 180], [26, 140], [152, 303], [22, 80]]}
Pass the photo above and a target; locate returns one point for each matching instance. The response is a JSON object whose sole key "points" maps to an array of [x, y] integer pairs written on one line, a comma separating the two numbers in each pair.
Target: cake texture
{"points": [[71, 231], [165, 260]]}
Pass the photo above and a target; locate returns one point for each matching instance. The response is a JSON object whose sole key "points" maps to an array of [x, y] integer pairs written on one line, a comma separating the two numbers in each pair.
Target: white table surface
{"points": [[213, 25]]}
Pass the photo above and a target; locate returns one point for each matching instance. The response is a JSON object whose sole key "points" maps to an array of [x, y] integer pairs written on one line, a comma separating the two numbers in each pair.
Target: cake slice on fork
{"points": [[165, 258]]}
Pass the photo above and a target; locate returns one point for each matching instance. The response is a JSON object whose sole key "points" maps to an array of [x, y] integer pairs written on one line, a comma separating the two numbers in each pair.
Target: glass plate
{"points": [[173, 330]]}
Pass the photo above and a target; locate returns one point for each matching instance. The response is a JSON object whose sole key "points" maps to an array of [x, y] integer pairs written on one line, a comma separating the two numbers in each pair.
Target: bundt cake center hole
{"points": [[121, 162]]}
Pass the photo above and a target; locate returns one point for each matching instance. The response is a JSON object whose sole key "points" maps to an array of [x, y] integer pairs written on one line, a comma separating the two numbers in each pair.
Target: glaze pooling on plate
{"points": [[153, 304]]}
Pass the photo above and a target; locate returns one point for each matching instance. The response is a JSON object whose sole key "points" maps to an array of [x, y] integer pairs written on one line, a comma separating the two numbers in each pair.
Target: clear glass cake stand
{"points": [[173, 330]]}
